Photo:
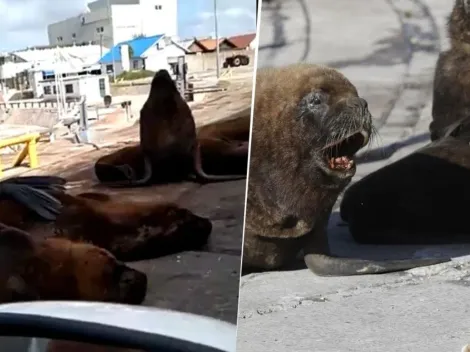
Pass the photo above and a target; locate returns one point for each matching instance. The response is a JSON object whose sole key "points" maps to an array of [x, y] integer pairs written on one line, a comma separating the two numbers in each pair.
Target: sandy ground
{"points": [[203, 282]]}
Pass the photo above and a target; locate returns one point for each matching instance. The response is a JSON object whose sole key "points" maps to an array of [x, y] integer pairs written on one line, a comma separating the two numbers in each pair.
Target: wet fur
{"points": [[290, 195], [59, 269], [451, 102], [168, 141], [131, 231]]}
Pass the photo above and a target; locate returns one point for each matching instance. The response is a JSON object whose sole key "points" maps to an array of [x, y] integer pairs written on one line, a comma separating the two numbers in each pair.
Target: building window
{"points": [[47, 90], [74, 35], [135, 64], [109, 68], [69, 88], [100, 29], [59, 39], [158, 7], [102, 84], [54, 89]]}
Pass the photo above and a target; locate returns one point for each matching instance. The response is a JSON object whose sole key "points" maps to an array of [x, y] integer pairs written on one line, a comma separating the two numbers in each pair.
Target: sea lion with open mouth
{"points": [[309, 122]]}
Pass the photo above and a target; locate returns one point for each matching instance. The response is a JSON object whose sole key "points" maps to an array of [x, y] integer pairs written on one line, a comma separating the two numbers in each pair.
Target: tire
{"points": [[236, 61], [225, 64], [245, 60]]}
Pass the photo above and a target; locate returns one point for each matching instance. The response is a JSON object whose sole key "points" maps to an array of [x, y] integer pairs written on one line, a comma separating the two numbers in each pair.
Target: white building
{"points": [[150, 53], [109, 22], [93, 87]]}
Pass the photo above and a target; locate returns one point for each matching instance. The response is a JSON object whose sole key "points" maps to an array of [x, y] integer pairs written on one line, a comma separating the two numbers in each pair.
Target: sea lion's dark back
{"points": [[166, 121]]}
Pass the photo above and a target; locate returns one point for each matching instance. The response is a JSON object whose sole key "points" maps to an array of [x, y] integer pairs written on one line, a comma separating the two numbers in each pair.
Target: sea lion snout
{"points": [[132, 285]]}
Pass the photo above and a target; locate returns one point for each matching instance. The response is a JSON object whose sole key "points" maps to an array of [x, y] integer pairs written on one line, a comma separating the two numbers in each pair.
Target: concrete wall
{"points": [[207, 61]]}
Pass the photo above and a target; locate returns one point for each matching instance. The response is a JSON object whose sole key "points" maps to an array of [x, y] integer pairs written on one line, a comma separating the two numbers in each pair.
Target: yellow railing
{"points": [[30, 140]]}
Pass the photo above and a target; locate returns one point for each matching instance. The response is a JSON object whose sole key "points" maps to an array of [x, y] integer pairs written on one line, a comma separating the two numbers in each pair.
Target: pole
{"points": [[216, 40], [114, 68], [101, 46]]}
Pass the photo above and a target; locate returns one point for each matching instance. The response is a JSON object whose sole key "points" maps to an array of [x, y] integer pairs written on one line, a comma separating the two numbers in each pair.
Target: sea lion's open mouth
{"points": [[339, 156]]}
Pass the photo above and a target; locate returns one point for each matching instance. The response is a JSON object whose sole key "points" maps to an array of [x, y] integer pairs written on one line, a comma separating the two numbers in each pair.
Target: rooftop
{"points": [[139, 46]]}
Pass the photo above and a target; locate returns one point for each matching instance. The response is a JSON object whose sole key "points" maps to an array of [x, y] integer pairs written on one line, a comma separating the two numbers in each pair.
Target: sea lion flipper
{"points": [[324, 265], [42, 182], [200, 174], [38, 201]]}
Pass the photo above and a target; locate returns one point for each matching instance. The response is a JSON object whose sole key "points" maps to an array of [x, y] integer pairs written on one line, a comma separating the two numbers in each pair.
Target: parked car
{"points": [[31, 326]]}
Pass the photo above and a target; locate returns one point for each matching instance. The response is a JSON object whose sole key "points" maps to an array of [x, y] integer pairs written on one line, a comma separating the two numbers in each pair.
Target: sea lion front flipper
{"points": [[46, 183], [318, 260], [38, 201], [201, 175]]}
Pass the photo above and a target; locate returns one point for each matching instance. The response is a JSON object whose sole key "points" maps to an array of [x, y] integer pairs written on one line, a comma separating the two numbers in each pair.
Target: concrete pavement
{"points": [[388, 49]]}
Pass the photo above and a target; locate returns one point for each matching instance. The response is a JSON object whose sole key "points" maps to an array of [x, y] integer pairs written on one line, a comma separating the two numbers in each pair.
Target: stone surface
{"points": [[388, 48]]}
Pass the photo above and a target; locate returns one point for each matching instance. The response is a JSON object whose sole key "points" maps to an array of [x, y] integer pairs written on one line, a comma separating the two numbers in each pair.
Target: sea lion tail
{"points": [[200, 174], [324, 265]]}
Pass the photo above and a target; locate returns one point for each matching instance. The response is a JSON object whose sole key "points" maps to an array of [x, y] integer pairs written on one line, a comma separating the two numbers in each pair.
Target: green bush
{"points": [[132, 75]]}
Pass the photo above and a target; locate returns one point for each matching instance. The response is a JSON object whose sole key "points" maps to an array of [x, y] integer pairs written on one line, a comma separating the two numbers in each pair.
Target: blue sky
{"points": [[27, 20]]}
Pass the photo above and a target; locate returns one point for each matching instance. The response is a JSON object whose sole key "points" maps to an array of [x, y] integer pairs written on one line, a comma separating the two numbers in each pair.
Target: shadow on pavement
{"points": [[385, 152]]}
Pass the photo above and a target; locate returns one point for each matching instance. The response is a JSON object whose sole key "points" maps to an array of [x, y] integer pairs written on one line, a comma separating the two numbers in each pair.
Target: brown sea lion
{"points": [[452, 74], [419, 199], [224, 144], [59, 269], [168, 141], [128, 230], [309, 122], [33, 192]]}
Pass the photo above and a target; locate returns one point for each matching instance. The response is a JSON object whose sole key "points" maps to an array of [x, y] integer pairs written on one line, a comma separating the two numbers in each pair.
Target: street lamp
{"points": [[100, 31]]}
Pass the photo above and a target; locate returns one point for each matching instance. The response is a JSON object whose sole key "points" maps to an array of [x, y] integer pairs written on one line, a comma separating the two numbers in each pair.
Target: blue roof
{"points": [[138, 45]]}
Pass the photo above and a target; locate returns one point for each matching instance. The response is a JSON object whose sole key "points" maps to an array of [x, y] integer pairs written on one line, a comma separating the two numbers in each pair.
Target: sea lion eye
{"points": [[316, 100]]}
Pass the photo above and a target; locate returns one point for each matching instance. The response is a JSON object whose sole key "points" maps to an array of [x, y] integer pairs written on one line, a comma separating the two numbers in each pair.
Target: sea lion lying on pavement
{"points": [[131, 231], [451, 102], [309, 122], [419, 199], [59, 269], [34, 192], [169, 149]]}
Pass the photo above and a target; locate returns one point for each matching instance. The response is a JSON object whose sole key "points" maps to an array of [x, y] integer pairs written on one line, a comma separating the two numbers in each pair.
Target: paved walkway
{"points": [[388, 49]]}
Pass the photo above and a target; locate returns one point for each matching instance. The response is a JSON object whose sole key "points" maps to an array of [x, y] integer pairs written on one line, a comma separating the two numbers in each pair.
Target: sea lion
{"points": [[308, 123], [33, 192], [224, 144], [452, 74], [128, 230], [59, 269], [419, 199], [168, 142]]}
